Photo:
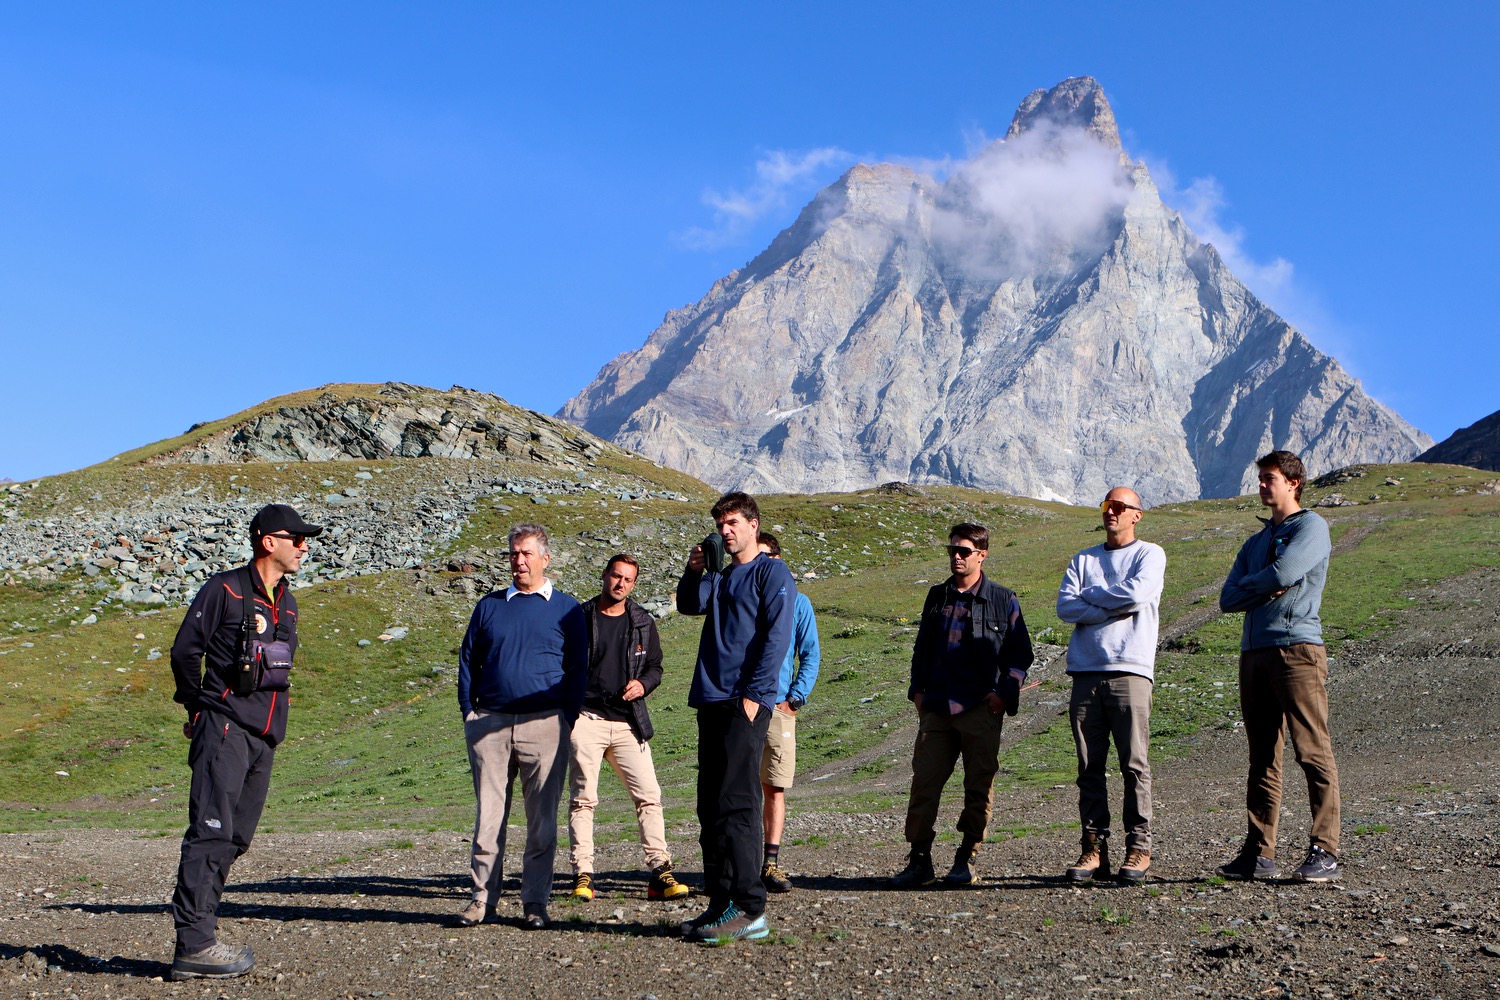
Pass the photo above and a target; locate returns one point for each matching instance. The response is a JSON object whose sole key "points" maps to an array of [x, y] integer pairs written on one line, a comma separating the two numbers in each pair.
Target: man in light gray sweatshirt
{"points": [[1277, 581], [1111, 595]]}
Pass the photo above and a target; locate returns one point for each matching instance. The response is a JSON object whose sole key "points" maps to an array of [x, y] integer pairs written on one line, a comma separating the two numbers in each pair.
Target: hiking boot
{"points": [[474, 914], [918, 871], [583, 886], [217, 961], [1093, 860], [535, 918], [1133, 871], [733, 924], [1250, 865], [962, 872], [708, 916], [1320, 866], [664, 884], [774, 879]]}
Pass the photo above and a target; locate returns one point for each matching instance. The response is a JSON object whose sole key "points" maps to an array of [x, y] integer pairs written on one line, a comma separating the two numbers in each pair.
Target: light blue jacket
{"points": [[1292, 555], [796, 682]]}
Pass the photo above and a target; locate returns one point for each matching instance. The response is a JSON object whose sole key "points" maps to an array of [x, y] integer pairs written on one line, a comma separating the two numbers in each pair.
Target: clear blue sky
{"points": [[206, 205]]}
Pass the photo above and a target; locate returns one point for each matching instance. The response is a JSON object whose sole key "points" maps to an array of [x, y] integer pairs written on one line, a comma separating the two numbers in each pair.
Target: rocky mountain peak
{"points": [[1039, 322], [1078, 101]]}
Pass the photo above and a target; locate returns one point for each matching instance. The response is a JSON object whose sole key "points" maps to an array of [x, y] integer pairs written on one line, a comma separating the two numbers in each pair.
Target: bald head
{"points": [[1122, 510]]}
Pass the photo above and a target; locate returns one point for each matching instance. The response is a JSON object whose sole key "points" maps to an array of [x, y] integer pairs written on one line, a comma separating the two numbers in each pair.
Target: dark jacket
{"points": [[992, 649], [642, 659], [205, 654], [750, 610]]}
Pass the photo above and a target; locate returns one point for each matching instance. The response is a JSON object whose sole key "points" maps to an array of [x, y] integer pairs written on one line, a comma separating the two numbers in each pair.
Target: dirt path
{"points": [[82, 913]]}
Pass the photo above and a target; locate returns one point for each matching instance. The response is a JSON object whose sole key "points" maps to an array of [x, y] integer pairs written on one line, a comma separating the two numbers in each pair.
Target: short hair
{"points": [[770, 542], [529, 529], [736, 503], [976, 533], [1288, 464], [621, 557]]}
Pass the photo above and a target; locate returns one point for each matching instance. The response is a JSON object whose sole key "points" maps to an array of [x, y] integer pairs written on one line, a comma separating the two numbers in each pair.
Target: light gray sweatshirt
{"points": [[1112, 598]]}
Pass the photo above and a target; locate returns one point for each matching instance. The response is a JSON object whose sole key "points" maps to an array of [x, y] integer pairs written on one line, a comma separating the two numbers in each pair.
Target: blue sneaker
{"points": [[733, 924], [1250, 865]]}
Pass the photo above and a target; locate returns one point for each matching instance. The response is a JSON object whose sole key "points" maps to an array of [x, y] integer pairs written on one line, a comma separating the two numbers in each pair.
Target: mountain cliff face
{"points": [[1477, 446], [1039, 322]]}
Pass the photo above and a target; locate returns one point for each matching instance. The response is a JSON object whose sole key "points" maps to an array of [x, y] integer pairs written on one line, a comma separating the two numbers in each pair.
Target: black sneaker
{"points": [[774, 879], [1250, 865], [917, 873], [1320, 866], [217, 961]]}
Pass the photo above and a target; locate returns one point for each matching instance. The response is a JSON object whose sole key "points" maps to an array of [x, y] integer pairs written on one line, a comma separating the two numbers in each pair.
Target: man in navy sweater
{"points": [[749, 608], [522, 670]]}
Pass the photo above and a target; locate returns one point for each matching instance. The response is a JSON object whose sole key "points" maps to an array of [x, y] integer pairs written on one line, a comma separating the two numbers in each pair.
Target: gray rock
{"points": [[905, 330]]}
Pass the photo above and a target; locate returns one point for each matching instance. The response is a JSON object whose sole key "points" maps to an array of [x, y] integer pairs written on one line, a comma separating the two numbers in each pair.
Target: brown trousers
{"points": [[1286, 687], [941, 740]]}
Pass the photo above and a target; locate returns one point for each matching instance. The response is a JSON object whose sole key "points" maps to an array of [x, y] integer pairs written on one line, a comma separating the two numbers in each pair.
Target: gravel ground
{"points": [[371, 914]]}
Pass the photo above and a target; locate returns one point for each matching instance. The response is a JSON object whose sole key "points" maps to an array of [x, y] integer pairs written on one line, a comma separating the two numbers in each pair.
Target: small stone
{"points": [[364, 642]]}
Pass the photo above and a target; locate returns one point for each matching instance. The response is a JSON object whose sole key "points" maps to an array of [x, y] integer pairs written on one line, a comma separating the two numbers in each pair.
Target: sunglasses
{"points": [[297, 540], [1116, 506], [962, 551]]}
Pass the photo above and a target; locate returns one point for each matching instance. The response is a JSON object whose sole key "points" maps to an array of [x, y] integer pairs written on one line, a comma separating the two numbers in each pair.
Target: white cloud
{"points": [[1201, 205], [778, 174], [1048, 197]]}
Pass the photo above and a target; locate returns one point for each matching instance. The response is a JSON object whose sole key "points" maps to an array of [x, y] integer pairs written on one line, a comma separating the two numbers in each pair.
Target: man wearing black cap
{"points": [[231, 659]]}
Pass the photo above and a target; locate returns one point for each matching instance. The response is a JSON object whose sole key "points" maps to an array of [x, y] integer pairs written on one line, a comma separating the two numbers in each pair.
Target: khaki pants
{"points": [[941, 740], [534, 748], [596, 740], [1286, 687]]}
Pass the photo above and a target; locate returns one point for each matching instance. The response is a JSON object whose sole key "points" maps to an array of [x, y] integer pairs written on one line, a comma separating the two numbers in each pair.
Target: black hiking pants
{"points": [[231, 773], [730, 748]]}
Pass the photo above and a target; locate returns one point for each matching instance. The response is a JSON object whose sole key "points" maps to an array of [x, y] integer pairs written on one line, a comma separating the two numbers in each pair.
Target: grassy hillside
{"points": [[375, 740]]}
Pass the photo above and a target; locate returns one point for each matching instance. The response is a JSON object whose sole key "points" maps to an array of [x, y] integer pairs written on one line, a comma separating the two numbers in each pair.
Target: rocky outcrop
{"points": [[394, 420], [1038, 323], [1477, 446]]}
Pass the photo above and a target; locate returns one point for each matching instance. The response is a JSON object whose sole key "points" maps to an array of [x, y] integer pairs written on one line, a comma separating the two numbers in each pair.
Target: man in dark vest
{"points": [[230, 660], [971, 655]]}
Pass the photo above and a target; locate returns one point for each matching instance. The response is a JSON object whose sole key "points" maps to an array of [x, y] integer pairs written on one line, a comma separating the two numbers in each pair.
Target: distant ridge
{"points": [[1477, 446], [1038, 323]]}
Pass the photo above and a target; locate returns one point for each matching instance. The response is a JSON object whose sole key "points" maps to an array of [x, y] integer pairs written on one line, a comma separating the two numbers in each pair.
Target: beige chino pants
{"points": [[596, 740]]}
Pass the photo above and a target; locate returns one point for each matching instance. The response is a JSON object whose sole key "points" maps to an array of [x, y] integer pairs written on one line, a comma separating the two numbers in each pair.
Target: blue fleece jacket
{"points": [[1293, 556], [750, 611], [523, 655], [800, 670]]}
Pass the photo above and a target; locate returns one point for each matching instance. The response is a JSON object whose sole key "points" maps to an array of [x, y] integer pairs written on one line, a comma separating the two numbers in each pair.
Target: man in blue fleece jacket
{"points": [[522, 671], [749, 608], [1277, 581]]}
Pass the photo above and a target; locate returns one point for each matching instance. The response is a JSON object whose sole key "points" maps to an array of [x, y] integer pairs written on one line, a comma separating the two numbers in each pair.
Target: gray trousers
{"points": [[535, 749], [1113, 704]]}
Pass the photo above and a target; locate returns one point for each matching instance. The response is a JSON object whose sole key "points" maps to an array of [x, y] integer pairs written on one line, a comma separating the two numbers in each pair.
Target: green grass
{"points": [[374, 738]]}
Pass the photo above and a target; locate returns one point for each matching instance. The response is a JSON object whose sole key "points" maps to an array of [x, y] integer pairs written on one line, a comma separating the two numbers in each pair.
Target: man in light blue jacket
{"points": [[1277, 581], [778, 767]]}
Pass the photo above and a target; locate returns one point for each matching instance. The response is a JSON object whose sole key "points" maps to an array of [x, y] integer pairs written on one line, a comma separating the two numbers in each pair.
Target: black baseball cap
{"points": [[275, 517]]}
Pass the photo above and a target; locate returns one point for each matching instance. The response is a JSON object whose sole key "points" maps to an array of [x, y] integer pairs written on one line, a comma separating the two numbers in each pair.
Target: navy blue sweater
{"points": [[527, 654], [751, 609]]}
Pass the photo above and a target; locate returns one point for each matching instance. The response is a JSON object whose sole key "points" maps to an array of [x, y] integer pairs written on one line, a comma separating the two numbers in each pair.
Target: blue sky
{"points": [[204, 206]]}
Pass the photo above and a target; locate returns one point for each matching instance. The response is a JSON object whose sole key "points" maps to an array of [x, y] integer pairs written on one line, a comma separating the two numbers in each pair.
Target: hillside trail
{"points": [[367, 914]]}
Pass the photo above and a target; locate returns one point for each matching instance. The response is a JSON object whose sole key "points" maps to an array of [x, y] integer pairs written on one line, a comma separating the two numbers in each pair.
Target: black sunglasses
{"points": [[295, 539], [1116, 506], [962, 551]]}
